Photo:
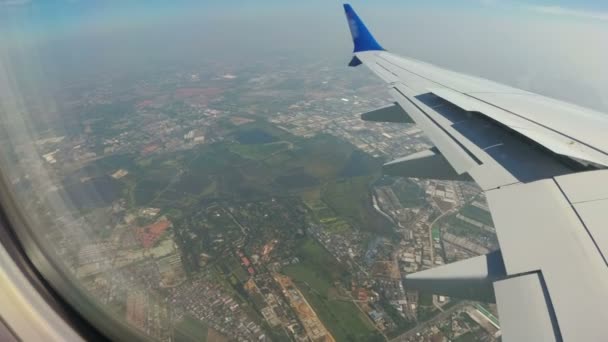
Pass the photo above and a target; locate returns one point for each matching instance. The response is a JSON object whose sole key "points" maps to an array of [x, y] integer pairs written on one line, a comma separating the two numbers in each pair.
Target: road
{"points": [[457, 206], [432, 243], [436, 302], [422, 326]]}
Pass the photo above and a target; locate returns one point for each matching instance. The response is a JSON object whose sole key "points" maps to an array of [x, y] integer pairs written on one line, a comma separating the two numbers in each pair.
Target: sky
{"points": [[556, 48]]}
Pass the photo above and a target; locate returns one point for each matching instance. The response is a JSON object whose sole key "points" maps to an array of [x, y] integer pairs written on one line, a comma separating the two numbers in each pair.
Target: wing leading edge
{"points": [[541, 164]]}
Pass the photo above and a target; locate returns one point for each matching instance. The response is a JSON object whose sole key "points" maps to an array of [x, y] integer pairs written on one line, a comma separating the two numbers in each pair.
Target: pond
{"points": [[255, 136], [93, 193]]}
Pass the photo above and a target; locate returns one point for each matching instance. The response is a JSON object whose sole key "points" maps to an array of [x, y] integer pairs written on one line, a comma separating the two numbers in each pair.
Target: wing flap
{"points": [[587, 193], [585, 186], [526, 317], [471, 278], [526, 113], [391, 113], [539, 231], [492, 156], [427, 164], [593, 215], [582, 125], [548, 138], [458, 158]]}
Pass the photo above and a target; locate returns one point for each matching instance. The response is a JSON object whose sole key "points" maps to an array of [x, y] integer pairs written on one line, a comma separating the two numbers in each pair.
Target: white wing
{"points": [[542, 164]]}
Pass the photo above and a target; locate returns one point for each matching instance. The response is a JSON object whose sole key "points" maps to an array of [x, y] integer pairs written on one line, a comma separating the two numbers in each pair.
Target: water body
{"points": [[254, 136], [97, 192], [359, 164]]}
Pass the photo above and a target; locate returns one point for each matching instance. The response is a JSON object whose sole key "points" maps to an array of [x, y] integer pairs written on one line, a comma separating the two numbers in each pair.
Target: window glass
{"points": [[200, 171]]}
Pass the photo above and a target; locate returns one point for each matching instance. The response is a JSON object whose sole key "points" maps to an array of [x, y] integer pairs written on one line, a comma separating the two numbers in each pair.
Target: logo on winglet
{"points": [[354, 29]]}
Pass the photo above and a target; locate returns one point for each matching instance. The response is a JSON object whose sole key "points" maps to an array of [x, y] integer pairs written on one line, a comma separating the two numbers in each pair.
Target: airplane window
{"points": [[201, 171]]}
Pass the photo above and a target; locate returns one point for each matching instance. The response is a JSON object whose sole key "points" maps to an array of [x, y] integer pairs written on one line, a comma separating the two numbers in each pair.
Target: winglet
{"points": [[364, 41]]}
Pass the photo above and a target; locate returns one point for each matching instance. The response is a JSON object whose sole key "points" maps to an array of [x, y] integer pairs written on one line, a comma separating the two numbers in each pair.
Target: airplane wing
{"points": [[542, 165]]}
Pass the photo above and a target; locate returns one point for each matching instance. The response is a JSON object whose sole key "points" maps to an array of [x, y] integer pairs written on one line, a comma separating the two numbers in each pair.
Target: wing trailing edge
{"points": [[427, 164], [468, 279], [390, 113]]}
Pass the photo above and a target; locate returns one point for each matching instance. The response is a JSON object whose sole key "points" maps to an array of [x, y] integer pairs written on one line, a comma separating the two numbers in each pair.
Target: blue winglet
{"points": [[364, 41]]}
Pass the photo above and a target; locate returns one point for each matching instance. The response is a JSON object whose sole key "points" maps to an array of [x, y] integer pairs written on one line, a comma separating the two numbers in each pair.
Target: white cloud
{"points": [[563, 11]]}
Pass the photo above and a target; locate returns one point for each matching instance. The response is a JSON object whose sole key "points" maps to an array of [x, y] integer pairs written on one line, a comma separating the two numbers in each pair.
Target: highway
{"points": [[422, 326]]}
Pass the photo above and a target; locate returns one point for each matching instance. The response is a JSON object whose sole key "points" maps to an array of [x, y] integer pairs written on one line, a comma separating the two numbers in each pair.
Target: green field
{"points": [[409, 193], [487, 313], [345, 196], [436, 232], [325, 215], [309, 277], [315, 276], [317, 267], [335, 224], [233, 266], [477, 214], [190, 329], [272, 162], [343, 319], [459, 227], [466, 337], [258, 151], [350, 199], [324, 156], [425, 299]]}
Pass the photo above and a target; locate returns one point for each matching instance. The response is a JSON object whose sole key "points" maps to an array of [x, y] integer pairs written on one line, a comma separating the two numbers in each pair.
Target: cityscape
{"points": [[230, 202]]}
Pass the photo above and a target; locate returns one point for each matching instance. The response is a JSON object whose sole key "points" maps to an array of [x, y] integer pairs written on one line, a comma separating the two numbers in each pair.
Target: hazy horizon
{"points": [[549, 48]]}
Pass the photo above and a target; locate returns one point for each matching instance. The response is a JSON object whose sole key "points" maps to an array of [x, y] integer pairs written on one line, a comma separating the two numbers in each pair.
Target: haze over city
{"points": [[201, 169], [534, 45]]}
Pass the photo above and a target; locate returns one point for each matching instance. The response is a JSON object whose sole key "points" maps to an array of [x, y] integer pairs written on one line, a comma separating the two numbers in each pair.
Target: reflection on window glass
{"points": [[199, 171]]}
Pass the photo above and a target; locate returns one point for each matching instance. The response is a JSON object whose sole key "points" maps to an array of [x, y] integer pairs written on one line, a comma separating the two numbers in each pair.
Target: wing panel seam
{"points": [[552, 314], [581, 220], [466, 150], [385, 68], [413, 73], [491, 104], [535, 122]]}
